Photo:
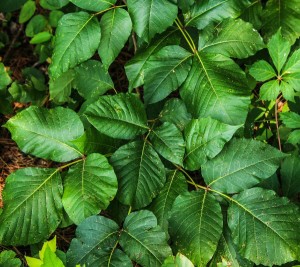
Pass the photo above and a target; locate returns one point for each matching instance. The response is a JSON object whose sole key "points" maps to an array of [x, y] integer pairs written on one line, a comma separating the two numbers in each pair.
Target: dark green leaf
{"points": [[5, 80], [8, 259], [290, 173], [262, 71], [94, 5], [185, 5]]}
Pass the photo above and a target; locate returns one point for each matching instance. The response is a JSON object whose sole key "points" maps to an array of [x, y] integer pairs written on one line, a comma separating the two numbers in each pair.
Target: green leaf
{"points": [[205, 138], [287, 91], [264, 227], [73, 30], [262, 71], [8, 259], [116, 27], [162, 204], [242, 164], [47, 133], [50, 259], [27, 11], [41, 37], [205, 12], [167, 140], [5, 80], [282, 14], [290, 119], [94, 5], [185, 5], [95, 244], [140, 172], [92, 80], [233, 38], [150, 17], [89, 187], [269, 90], [120, 116], [253, 14], [293, 64], [195, 226], [54, 17], [143, 240], [33, 208], [165, 71], [279, 49], [37, 24], [53, 4], [178, 261], [216, 87], [290, 173]]}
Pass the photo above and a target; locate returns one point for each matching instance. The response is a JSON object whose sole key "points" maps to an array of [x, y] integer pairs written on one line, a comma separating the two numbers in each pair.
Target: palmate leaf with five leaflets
{"points": [[33, 207], [264, 227]]}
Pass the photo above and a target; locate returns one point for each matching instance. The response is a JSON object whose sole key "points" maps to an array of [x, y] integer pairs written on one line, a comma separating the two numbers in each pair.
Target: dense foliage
{"points": [[195, 163]]}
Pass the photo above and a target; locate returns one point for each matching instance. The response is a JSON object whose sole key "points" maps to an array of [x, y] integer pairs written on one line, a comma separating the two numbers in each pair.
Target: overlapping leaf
{"points": [[8, 259], [4, 77], [94, 5]]}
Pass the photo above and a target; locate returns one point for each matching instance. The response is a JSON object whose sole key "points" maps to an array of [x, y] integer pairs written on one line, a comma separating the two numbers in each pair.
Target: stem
{"points": [[110, 8], [277, 127], [129, 211], [69, 164], [190, 178], [191, 44]]}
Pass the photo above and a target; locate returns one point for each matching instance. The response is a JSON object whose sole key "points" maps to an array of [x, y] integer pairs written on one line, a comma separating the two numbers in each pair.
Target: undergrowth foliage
{"points": [[196, 163]]}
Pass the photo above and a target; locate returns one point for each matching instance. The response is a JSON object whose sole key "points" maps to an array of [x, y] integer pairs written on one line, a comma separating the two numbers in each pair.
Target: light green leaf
{"points": [[178, 261], [115, 29], [95, 244], [293, 80], [50, 259], [151, 16], [140, 172], [120, 116], [73, 30], [8, 259], [195, 226], [233, 38], [293, 64], [5, 80], [282, 14], [216, 87], [92, 80], [162, 204], [242, 164], [33, 208], [41, 37], [264, 227], [287, 91], [94, 5], [269, 90], [27, 11], [165, 71], [37, 24], [290, 119], [205, 138], [294, 137], [279, 49], [89, 186], [47, 133], [262, 71], [143, 240], [204, 12], [167, 140], [290, 173]]}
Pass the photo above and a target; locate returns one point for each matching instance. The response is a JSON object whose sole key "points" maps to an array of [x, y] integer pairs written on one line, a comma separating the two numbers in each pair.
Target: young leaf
{"points": [[264, 227], [233, 38], [120, 116], [27, 11], [33, 207], [205, 138], [195, 226], [140, 172], [165, 71], [150, 17], [216, 87], [94, 5], [167, 140], [242, 164], [143, 240], [270, 90], [51, 259], [115, 29], [8, 259], [89, 187], [95, 244], [262, 71], [47, 133], [162, 204], [73, 30]]}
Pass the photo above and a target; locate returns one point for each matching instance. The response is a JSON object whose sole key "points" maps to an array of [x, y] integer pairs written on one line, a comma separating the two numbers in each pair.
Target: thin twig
{"points": [[277, 127]]}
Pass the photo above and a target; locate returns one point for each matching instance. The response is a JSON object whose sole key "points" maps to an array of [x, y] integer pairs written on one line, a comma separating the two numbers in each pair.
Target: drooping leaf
{"points": [[73, 30], [165, 71], [262, 71], [282, 14], [270, 90], [233, 38], [290, 173], [92, 80], [178, 261], [5, 80], [205, 138], [140, 172], [264, 227], [168, 141], [291, 119], [8, 259], [151, 16], [162, 204], [195, 226], [89, 187], [204, 12], [115, 29], [94, 5], [144, 241], [33, 207], [241, 164], [94, 245], [216, 87], [47, 133], [120, 116]]}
